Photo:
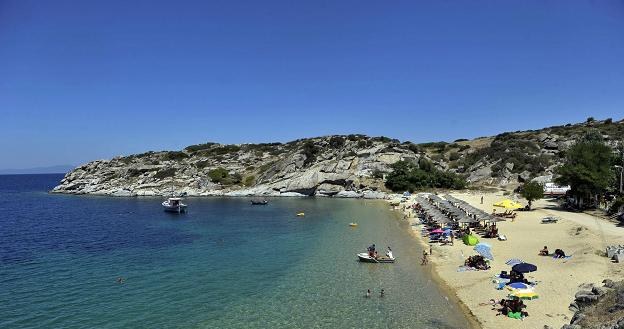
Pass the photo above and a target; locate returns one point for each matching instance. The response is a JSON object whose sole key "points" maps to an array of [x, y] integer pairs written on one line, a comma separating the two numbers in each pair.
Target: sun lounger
{"points": [[549, 220]]}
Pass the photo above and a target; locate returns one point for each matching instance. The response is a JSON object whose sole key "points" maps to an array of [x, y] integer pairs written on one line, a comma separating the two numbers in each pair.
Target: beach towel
{"points": [[515, 315], [465, 268], [514, 261], [566, 257]]}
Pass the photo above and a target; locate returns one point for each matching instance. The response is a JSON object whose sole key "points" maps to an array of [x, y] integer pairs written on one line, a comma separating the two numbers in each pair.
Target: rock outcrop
{"points": [[598, 307], [341, 166]]}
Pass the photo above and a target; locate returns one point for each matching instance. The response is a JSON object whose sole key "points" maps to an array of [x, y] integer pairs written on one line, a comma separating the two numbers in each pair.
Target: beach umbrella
{"points": [[514, 261], [508, 204], [437, 231], [484, 250], [524, 268], [524, 295]]}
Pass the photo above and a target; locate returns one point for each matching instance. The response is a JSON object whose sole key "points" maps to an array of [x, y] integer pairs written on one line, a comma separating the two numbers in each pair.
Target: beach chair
{"points": [[549, 220]]}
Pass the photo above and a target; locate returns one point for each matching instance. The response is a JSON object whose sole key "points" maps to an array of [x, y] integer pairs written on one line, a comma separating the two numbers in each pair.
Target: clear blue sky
{"points": [[81, 80]]}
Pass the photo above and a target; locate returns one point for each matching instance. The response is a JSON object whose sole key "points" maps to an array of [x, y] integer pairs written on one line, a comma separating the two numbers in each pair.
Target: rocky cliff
{"points": [[344, 166]]}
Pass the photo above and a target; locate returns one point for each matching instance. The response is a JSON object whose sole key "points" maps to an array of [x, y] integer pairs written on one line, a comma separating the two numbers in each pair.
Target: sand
{"points": [[581, 235]]}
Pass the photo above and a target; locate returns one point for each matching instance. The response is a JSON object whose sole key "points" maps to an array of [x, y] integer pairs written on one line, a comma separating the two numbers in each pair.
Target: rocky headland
{"points": [[340, 166]]}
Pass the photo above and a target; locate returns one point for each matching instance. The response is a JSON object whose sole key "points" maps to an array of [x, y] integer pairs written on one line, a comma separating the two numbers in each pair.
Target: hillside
{"points": [[347, 166]]}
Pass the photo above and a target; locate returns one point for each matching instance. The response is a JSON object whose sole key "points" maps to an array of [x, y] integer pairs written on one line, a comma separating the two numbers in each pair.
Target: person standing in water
{"points": [[368, 293], [382, 293]]}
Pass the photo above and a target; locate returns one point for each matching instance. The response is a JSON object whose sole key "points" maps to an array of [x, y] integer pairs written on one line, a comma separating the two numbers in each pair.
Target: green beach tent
{"points": [[470, 240]]}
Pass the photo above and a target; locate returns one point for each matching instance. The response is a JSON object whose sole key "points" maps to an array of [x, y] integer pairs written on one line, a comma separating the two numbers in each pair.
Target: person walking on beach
{"points": [[425, 260], [482, 199]]}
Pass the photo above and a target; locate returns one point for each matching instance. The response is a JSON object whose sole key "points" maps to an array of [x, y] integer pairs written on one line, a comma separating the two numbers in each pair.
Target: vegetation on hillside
{"points": [[408, 176], [587, 167]]}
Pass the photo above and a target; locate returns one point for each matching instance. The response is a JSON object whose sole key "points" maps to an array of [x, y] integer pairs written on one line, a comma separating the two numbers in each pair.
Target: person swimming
{"points": [[120, 280]]}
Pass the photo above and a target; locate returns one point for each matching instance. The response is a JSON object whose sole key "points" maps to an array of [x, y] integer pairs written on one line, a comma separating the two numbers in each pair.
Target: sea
{"points": [[224, 264]]}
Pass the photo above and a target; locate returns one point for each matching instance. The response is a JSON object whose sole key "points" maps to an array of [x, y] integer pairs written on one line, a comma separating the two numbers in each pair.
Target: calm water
{"points": [[225, 264]]}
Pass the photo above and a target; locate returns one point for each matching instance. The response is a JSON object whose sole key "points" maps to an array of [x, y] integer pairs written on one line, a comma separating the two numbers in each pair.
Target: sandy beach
{"points": [[580, 235]]}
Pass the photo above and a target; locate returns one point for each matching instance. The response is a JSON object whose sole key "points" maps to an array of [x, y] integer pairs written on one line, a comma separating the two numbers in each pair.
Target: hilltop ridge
{"points": [[340, 165]]}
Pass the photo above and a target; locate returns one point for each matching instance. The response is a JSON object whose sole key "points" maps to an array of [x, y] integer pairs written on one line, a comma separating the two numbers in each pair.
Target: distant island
{"points": [[341, 165], [61, 169]]}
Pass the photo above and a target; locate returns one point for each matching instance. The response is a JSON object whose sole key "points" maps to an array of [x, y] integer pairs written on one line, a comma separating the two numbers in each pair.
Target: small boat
{"points": [[301, 214], [174, 205], [366, 258], [259, 202], [353, 224]]}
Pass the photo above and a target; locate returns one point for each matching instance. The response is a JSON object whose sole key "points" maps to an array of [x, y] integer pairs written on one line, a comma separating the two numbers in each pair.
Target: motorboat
{"points": [[301, 214], [259, 202], [174, 205], [366, 258], [353, 224]]}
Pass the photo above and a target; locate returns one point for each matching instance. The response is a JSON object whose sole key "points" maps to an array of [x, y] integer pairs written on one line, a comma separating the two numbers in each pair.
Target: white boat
{"points": [[174, 205], [366, 258]]}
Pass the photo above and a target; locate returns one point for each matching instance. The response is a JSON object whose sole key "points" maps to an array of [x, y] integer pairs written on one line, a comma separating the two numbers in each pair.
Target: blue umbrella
{"points": [[484, 250], [524, 268]]}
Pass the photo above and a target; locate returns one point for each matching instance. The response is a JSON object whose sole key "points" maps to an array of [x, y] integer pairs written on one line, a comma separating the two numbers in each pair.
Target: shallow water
{"points": [[225, 264]]}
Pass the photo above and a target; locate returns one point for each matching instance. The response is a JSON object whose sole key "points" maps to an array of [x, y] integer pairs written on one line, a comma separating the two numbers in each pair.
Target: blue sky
{"points": [[82, 80]]}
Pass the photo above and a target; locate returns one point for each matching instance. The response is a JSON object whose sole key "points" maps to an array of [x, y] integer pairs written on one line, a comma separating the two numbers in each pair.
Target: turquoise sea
{"points": [[224, 264]]}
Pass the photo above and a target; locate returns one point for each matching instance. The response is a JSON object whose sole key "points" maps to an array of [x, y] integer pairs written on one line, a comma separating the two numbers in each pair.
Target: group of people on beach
{"points": [[513, 308], [557, 254]]}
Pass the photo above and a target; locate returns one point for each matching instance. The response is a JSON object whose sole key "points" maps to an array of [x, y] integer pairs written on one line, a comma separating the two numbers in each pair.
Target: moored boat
{"points": [[366, 258], [174, 205]]}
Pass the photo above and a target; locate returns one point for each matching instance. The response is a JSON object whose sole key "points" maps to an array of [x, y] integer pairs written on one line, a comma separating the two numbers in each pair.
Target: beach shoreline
{"points": [[582, 235], [446, 289]]}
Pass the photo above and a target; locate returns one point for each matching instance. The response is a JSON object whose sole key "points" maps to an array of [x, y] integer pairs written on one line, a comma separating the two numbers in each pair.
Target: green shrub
{"points": [[164, 173], [217, 175], [590, 120], [355, 137], [461, 140], [249, 180], [406, 176], [378, 173], [176, 155], [414, 148], [364, 143], [310, 151], [336, 142], [454, 156], [202, 164], [220, 150], [608, 121], [199, 147]]}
